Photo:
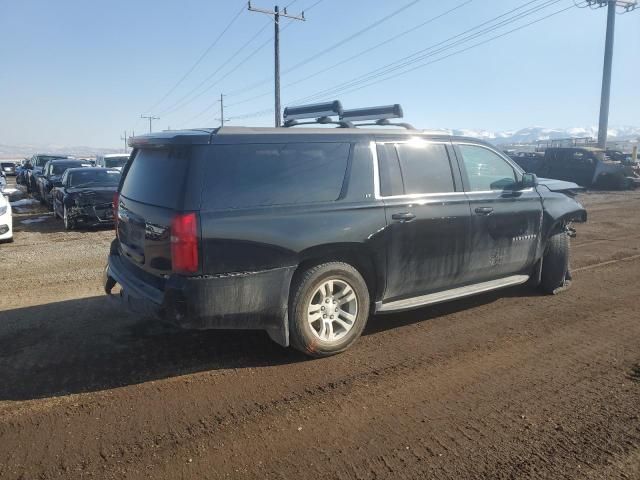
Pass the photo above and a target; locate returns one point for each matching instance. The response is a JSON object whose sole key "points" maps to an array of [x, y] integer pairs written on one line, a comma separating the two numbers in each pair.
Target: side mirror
{"points": [[529, 180]]}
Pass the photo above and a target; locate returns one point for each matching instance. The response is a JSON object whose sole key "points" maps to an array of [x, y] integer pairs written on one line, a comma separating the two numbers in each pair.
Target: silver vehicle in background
{"points": [[112, 160]]}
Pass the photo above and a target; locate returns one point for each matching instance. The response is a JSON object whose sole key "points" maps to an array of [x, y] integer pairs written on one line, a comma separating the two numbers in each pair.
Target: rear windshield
{"points": [[60, 168], [93, 177], [42, 159], [115, 162], [6, 164], [275, 174], [156, 176]]}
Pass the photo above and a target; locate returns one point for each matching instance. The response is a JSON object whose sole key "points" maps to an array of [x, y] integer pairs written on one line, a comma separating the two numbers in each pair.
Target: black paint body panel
{"points": [[249, 255]]}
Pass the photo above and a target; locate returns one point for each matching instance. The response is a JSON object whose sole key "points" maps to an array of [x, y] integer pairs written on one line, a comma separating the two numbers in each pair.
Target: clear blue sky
{"points": [[79, 73]]}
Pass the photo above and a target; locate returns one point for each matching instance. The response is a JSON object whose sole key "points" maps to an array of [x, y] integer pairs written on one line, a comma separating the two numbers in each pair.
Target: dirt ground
{"points": [[505, 385]]}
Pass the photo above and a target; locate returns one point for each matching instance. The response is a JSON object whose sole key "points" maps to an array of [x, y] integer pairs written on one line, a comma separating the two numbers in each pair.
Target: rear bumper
{"points": [[247, 300]]}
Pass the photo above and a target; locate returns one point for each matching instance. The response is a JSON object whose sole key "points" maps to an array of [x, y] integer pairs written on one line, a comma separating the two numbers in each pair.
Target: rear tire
{"points": [[329, 308], [555, 264]]}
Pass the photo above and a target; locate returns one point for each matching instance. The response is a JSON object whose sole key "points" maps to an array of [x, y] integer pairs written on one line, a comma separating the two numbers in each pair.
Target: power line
{"points": [[348, 87], [151, 118], [427, 52], [334, 46], [275, 13], [358, 54], [198, 61], [242, 62], [185, 100]]}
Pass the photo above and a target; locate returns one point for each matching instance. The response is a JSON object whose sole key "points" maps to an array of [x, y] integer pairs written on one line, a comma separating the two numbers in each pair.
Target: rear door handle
{"points": [[404, 216], [484, 210]]}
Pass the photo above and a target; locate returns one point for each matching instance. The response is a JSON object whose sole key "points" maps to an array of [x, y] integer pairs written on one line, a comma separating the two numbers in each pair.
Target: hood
{"points": [[560, 186]]}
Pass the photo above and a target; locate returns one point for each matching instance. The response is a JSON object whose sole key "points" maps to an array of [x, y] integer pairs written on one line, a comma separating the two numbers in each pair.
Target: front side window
{"points": [[252, 175], [486, 170]]}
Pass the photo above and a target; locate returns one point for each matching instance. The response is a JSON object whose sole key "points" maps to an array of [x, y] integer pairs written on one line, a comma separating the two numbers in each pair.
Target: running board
{"points": [[446, 295]]}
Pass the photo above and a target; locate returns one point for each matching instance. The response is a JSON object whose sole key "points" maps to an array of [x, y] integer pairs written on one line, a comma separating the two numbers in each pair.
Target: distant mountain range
{"points": [[525, 135], [17, 152], [533, 134]]}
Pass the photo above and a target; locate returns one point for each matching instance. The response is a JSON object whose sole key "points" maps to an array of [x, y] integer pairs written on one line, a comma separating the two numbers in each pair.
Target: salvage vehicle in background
{"points": [[528, 161], [304, 232], [37, 164], [8, 168], [112, 160], [52, 175], [6, 220], [586, 166], [22, 170], [85, 197]]}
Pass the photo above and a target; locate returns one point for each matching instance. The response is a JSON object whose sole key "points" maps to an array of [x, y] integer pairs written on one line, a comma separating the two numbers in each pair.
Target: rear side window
{"points": [[414, 168], [252, 175], [157, 176]]}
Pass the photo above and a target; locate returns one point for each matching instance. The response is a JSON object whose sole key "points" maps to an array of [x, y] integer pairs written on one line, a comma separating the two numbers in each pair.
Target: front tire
{"points": [[329, 308], [69, 224], [555, 264]]}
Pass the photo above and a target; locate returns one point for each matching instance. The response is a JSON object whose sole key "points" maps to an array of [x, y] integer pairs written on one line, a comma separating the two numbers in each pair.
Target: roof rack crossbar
{"points": [[320, 120], [385, 122]]}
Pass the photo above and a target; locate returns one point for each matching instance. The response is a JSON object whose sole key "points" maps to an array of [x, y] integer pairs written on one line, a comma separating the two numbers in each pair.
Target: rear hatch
{"points": [[158, 185]]}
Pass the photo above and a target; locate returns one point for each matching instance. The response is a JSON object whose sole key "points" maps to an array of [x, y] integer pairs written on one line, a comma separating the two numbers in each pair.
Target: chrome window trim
{"points": [[376, 171]]}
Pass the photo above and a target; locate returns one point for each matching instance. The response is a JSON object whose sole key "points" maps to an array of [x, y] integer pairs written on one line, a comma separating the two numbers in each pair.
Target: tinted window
{"points": [[115, 162], [156, 176], [389, 170], [425, 168], [94, 177], [275, 174], [42, 159], [486, 170], [60, 168]]}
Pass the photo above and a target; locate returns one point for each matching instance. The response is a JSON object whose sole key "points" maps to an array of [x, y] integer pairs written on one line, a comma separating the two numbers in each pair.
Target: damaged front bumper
{"points": [[92, 215], [244, 301]]}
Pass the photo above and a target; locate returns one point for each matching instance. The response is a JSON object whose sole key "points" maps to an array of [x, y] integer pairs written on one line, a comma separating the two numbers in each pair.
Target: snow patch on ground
{"points": [[34, 220], [23, 202]]}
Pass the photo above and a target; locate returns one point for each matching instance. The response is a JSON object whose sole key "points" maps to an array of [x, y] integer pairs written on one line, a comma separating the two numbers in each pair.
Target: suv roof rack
{"points": [[380, 115], [321, 113]]}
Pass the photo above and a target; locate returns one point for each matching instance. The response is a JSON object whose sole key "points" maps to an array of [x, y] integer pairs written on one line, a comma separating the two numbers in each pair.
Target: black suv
{"points": [[305, 232], [51, 177]]}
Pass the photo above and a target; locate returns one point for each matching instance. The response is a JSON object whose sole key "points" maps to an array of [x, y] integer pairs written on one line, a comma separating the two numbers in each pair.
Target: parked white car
{"points": [[112, 160], [6, 220]]}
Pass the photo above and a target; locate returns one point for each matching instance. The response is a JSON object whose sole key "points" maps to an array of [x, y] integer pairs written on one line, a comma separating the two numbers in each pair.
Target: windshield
{"points": [[7, 164], [115, 162], [94, 177]]}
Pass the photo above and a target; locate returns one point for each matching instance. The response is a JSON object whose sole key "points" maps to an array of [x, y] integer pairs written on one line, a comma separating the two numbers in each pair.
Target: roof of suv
{"points": [[207, 135]]}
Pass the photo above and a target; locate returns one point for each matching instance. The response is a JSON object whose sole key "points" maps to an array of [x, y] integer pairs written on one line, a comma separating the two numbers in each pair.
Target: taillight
{"points": [[184, 243], [116, 202]]}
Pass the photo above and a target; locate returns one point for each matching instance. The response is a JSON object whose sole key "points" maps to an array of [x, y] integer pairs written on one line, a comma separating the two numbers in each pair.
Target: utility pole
{"points": [[124, 138], [605, 95], [151, 119], [275, 13], [222, 119]]}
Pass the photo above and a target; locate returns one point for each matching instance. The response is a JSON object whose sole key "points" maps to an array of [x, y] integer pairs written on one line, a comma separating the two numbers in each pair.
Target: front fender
{"points": [[558, 210]]}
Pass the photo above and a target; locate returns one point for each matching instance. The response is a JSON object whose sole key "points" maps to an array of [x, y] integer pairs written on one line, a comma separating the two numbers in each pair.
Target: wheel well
{"points": [[356, 256]]}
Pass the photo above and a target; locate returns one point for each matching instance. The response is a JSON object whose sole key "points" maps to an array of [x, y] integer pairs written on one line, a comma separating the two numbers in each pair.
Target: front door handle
{"points": [[404, 216], [484, 210]]}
